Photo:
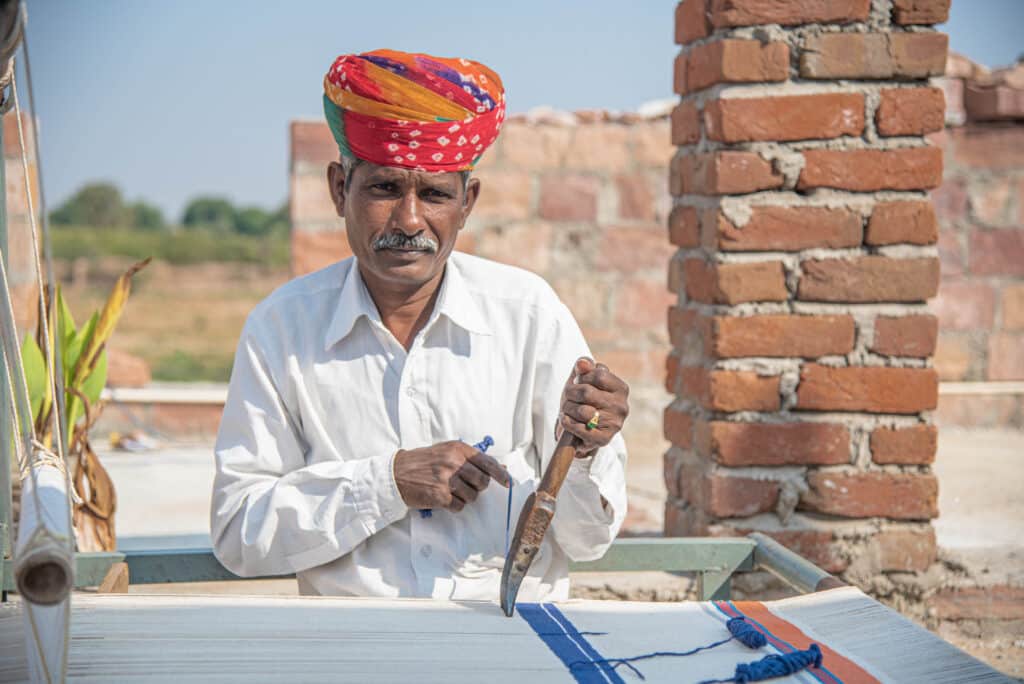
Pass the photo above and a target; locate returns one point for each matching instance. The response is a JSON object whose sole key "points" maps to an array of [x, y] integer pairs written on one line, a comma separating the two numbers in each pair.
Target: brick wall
{"points": [[580, 199], [980, 208], [806, 255], [20, 267]]}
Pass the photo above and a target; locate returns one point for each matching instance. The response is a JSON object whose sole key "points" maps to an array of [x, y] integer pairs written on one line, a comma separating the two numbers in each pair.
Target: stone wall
{"points": [[980, 207], [579, 199], [802, 340]]}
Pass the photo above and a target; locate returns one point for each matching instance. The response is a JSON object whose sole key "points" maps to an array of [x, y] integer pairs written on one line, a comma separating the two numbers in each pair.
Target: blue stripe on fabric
{"points": [[565, 641]]}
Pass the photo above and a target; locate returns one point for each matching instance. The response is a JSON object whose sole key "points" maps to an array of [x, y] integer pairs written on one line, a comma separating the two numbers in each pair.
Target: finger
{"points": [[588, 394], [474, 477], [597, 437], [462, 490], [455, 505], [583, 365], [603, 379], [584, 413], [490, 466]]}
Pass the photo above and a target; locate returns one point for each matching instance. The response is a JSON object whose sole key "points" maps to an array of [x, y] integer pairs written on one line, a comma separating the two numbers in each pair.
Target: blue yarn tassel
{"points": [[741, 630], [482, 447], [774, 666]]}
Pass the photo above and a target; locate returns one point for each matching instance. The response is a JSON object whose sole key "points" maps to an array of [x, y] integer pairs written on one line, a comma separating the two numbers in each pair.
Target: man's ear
{"points": [[336, 184], [472, 193]]}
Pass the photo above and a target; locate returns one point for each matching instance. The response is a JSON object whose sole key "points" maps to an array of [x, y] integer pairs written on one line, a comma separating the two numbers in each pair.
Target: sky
{"points": [[170, 100]]}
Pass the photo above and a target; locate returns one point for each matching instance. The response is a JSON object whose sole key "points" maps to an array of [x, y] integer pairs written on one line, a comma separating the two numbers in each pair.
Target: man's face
{"points": [[401, 224]]}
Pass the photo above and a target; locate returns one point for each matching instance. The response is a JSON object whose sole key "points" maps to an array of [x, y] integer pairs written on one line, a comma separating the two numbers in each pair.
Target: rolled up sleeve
{"points": [[592, 502]]}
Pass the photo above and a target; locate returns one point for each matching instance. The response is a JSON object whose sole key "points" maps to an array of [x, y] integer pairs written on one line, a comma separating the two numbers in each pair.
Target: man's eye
{"points": [[436, 194], [384, 187]]}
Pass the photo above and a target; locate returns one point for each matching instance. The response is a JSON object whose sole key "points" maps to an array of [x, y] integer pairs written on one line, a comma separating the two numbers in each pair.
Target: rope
{"points": [[774, 666]]}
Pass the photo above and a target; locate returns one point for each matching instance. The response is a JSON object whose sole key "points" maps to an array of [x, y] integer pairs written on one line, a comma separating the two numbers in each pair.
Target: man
{"points": [[343, 453]]}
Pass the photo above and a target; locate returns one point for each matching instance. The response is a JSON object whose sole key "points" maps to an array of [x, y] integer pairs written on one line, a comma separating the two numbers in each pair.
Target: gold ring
{"points": [[592, 423]]}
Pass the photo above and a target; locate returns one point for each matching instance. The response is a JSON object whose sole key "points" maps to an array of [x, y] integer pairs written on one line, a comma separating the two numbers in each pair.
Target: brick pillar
{"points": [[802, 341], [21, 270]]}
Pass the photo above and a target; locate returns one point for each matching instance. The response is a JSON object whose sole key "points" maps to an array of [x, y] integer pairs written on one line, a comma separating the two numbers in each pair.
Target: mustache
{"points": [[403, 241]]}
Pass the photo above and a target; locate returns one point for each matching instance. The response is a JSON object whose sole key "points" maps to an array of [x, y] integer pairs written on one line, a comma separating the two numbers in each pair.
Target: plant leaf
{"points": [[108, 318], [93, 385], [35, 375]]}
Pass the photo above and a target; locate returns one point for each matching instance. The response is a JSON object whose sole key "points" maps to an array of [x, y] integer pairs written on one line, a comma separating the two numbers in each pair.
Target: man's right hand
{"points": [[446, 475]]}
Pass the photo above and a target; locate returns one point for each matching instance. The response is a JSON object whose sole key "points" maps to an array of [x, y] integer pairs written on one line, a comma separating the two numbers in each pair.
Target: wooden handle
{"points": [[565, 452]]}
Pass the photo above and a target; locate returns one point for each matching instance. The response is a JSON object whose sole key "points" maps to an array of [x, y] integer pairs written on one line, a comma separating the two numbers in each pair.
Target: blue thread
{"points": [[740, 629], [773, 666], [481, 446], [568, 644]]}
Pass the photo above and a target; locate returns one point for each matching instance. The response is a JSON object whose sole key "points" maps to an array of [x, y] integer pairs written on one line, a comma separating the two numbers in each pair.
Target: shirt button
{"points": [[425, 550], [411, 391]]}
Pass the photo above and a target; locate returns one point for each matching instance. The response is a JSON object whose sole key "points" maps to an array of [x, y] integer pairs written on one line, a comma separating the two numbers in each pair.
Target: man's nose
{"points": [[408, 215]]}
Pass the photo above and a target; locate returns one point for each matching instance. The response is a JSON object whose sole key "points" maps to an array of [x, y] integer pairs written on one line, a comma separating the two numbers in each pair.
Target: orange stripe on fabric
{"points": [[837, 664]]}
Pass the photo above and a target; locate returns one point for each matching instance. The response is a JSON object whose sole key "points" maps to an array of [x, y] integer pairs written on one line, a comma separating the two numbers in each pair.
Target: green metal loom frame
{"points": [[714, 560]]}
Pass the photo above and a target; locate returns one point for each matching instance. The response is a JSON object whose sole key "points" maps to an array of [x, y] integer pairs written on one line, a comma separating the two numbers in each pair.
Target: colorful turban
{"points": [[413, 111]]}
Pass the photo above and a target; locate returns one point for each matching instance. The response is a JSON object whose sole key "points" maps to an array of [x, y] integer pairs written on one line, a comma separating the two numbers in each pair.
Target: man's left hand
{"points": [[594, 405]]}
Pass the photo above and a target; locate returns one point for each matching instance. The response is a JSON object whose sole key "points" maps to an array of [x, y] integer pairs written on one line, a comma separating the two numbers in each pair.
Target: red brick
{"points": [[790, 229], [874, 55], [965, 305], [950, 200], [999, 411], [1013, 307], [185, 420], [641, 304], [636, 368], [636, 197], [920, 11], [670, 464], [997, 252], [904, 446], [988, 147], [990, 201], [1001, 103], [868, 389], [678, 426], [1006, 356], [632, 249], [726, 13], [903, 496], [953, 357], [311, 143], [734, 283], [504, 194], [951, 254], [999, 602], [737, 497], [723, 173], [679, 74], [691, 21], [781, 335], [906, 335], [566, 197], [912, 222], [905, 550], [869, 279], [915, 168], [785, 118], [313, 250], [910, 111], [734, 60], [688, 330], [685, 124], [673, 375], [764, 444], [684, 227], [730, 391]]}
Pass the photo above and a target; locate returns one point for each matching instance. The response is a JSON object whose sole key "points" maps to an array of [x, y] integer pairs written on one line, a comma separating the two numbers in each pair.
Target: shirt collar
{"points": [[454, 302]]}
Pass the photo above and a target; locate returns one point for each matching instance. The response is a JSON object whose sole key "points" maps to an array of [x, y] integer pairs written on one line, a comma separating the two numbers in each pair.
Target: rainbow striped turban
{"points": [[413, 111]]}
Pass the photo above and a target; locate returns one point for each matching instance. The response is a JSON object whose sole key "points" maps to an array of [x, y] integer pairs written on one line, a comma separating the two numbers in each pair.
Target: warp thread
{"points": [[773, 666], [482, 446], [741, 630]]}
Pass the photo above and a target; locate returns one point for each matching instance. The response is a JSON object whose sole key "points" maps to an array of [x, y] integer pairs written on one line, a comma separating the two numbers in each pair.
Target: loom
{"points": [[49, 633]]}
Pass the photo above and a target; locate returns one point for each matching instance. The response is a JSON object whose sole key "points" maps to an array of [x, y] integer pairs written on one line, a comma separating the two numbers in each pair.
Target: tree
{"points": [[146, 216], [252, 221], [211, 213], [96, 204]]}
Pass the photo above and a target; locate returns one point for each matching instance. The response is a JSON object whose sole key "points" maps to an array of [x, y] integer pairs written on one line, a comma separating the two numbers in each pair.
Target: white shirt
{"points": [[321, 398]]}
